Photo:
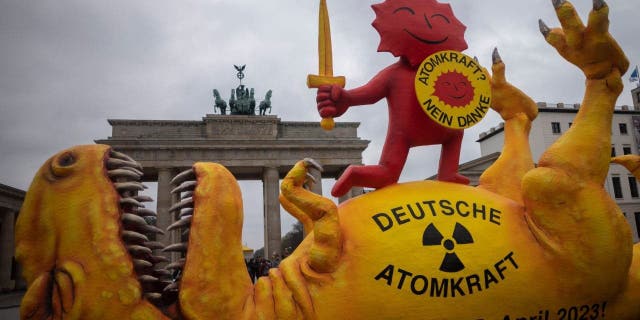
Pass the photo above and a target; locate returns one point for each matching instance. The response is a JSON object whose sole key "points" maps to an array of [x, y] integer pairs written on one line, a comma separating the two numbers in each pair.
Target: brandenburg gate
{"points": [[252, 147]]}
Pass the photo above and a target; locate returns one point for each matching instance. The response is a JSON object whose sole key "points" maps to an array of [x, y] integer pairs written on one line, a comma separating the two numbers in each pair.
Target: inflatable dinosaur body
{"points": [[528, 243]]}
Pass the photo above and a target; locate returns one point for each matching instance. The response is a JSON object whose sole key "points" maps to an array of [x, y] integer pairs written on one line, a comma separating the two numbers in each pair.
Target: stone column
{"points": [[176, 235], [354, 192], [6, 249], [164, 200], [317, 187], [272, 232]]}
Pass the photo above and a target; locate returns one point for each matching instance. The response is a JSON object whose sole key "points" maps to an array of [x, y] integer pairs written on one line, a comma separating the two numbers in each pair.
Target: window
{"points": [[570, 124], [617, 187], [613, 151], [555, 128], [626, 150], [638, 222], [633, 186], [623, 128]]}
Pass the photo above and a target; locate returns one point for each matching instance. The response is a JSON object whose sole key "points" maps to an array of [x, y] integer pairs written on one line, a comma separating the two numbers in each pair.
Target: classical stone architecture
{"points": [[251, 147], [10, 203]]}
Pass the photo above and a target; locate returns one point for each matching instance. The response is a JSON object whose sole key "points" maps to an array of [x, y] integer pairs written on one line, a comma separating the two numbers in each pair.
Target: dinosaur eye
{"points": [[61, 166], [66, 160]]}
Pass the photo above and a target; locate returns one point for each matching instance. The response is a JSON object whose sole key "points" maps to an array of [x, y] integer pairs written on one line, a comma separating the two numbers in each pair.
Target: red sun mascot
{"points": [[412, 31]]}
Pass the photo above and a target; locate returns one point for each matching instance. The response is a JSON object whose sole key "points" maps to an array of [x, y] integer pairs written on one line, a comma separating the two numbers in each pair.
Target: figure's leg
{"points": [[394, 155], [450, 159], [504, 177]]}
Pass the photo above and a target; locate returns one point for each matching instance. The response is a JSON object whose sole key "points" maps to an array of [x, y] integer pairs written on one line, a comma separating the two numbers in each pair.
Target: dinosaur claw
{"points": [[313, 163], [558, 3], [496, 56], [599, 4], [544, 29]]}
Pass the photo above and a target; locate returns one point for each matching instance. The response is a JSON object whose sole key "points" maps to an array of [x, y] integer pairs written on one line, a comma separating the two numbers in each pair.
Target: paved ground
{"points": [[9, 303]]}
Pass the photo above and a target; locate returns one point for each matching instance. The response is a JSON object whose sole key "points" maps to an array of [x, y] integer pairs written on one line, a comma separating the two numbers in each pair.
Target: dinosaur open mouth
{"points": [[138, 231]]}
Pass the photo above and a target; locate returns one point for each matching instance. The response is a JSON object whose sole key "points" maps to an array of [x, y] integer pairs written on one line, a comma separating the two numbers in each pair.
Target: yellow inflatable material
{"points": [[529, 243]]}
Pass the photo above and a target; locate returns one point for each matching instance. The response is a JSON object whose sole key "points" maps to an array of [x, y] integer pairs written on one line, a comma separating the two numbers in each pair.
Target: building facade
{"points": [[11, 200], [555, 119]]}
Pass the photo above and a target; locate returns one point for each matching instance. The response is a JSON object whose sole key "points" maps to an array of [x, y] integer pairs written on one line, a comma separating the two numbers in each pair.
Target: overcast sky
{"points": [[66, 66]]}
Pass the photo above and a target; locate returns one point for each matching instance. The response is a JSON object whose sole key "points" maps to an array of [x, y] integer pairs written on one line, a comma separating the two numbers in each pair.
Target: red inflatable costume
{"points": [[411, 30]]}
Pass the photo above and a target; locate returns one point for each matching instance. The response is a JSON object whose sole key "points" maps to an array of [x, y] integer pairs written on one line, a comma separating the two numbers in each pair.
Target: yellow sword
{"points": [[325, 61]]}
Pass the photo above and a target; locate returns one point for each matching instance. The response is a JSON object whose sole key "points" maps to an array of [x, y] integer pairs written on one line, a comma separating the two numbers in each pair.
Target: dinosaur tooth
{"points": [[141, 264], [161, 273], [183, 222], [187, 194], [152, 229], [154, 245], [133, 219], [134, 170], [159, 259], [131, 202], [175, 286], [176, 265], [184, 176], [121, 156], [147, 278], [143, 198], [113, 163], [186, 203], [140, 223], [176, 247], [132, 236], [186, 212], [123, 174], [129, 186], [153, 296], [185, 186], [137, 250]]}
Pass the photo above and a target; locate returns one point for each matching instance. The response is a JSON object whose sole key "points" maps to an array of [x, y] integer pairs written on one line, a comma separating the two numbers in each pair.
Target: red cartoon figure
{"points": [[411, 30]]}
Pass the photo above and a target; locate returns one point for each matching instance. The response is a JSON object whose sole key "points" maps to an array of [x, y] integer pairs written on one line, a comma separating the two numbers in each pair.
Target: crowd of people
{"points": [[259, 266]]}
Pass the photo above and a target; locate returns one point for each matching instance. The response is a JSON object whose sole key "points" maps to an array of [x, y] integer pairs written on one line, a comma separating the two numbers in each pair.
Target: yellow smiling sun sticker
{"points": [[453, 89]]}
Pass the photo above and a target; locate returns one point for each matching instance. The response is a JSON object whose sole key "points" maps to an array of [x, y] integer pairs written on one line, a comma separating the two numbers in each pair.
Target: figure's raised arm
{"points": [[333, 100]]}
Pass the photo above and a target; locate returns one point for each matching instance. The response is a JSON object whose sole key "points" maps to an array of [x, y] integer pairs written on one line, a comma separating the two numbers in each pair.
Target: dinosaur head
{"points": [[82, 233], [414, 30]]}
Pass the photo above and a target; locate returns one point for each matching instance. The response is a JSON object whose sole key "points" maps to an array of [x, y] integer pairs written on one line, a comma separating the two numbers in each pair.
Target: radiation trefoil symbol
{"points": [[451, 262]]}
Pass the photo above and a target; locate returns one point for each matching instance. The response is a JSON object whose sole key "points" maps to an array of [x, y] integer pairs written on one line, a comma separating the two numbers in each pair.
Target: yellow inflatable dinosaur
{"points": [[528, 243]]}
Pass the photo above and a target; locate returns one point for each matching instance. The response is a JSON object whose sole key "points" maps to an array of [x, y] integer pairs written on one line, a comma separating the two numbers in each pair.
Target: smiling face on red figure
{"points": [[415, 29]]}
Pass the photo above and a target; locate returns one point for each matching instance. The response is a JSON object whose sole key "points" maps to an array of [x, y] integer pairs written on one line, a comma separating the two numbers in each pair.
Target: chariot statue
{"points": [[242, 100]]}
